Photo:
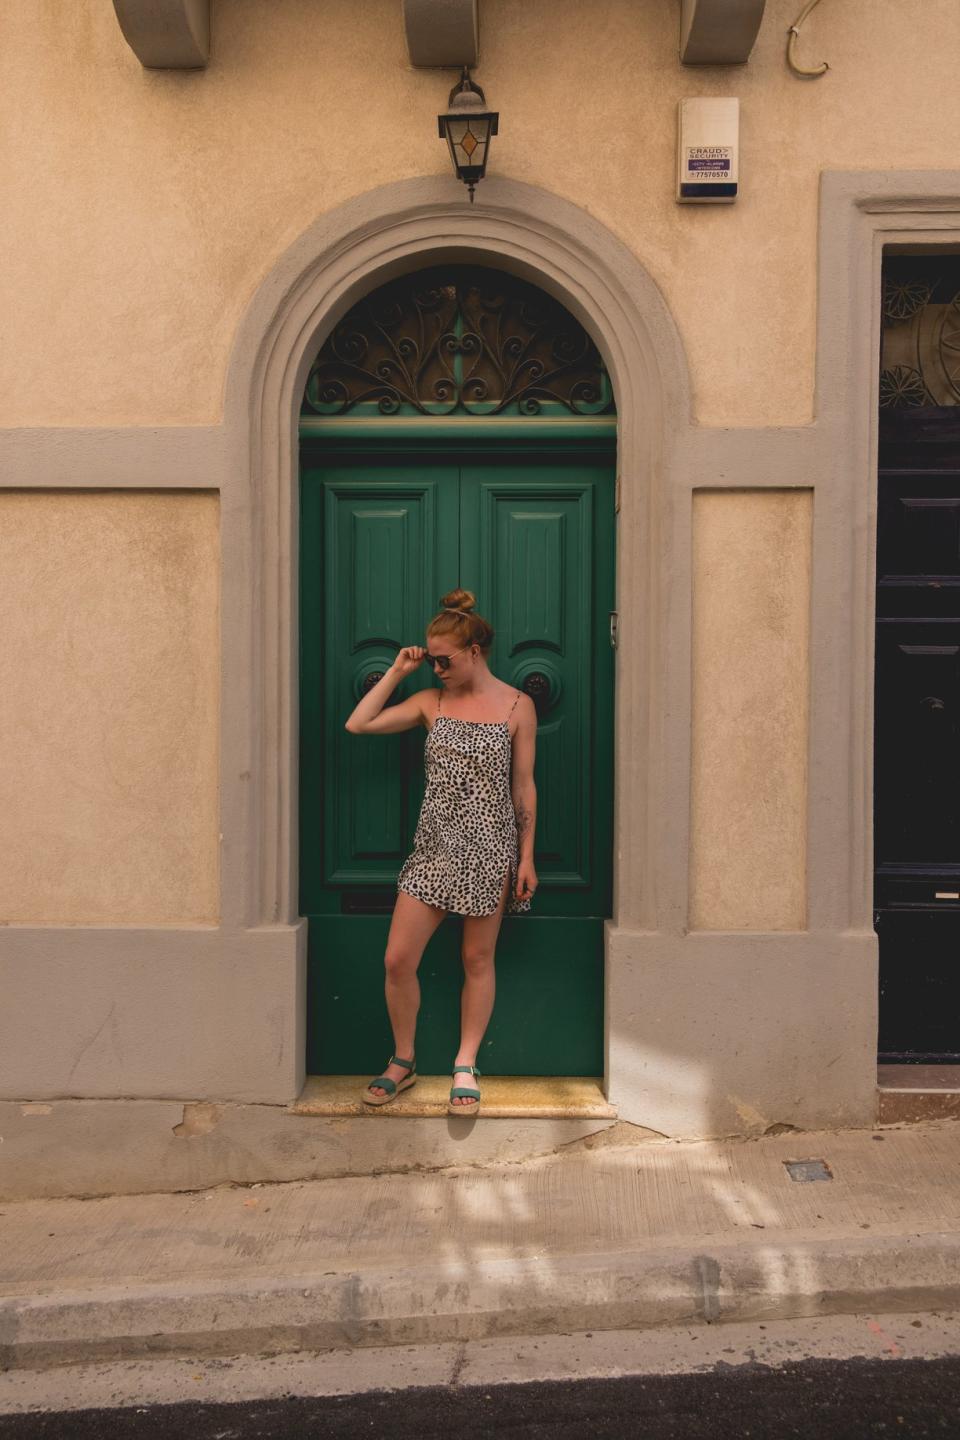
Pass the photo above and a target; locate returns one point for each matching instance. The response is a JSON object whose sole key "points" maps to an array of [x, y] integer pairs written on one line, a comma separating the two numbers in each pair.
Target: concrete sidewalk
{"points": [[601, 1236]]}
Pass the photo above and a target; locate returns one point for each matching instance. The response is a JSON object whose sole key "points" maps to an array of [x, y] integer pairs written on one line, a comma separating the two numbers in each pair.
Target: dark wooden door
{"points": [[917, 735]]}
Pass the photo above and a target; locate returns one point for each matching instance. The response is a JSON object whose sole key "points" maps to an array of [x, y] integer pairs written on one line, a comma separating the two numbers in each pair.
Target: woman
{"points": [[474, 836]]}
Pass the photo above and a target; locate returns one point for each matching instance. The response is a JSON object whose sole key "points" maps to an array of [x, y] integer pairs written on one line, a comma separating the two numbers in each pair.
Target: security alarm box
{"points": [[708, 150]]}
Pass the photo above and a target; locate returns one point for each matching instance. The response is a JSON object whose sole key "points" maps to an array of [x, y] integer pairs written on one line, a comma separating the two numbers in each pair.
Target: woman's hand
{"points": [[526, 880], [408, 659]]}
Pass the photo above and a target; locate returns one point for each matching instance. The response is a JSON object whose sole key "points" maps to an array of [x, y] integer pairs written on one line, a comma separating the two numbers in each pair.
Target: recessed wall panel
{"points": [[109, 707], [750, 681]]}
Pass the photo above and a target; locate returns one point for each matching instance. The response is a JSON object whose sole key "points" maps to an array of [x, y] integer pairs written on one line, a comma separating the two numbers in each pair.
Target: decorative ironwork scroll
{"points": [[458, 340], [920, 344]]}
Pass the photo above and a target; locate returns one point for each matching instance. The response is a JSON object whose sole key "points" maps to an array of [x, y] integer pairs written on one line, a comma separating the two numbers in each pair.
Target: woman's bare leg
{"points": [[411, 927], [479, 987]]}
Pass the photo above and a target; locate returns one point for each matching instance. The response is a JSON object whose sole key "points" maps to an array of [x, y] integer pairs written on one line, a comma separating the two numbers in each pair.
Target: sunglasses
{"points": [[442, 662]]}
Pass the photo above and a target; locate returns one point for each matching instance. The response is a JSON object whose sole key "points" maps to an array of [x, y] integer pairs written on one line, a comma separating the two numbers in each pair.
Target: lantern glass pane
{"points": [[451, 146], [471, 150], [468, 139]]}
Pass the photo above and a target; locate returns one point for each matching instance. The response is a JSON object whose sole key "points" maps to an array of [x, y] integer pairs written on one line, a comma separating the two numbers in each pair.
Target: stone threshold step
{"points": [[507, 1097], [907, 1093]]}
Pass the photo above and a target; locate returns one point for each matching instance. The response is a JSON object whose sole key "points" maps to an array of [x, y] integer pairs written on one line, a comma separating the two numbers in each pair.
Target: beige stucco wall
{"points": [[150, 204], [109, 707], [751, 603], [148, 207]]}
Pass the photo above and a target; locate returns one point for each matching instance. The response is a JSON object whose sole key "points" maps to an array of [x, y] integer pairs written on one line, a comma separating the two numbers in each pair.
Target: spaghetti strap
{"points": [[514, 705], [439, 698]]}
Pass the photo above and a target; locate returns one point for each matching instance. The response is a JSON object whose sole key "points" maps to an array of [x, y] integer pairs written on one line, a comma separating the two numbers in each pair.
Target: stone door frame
{"points": [[399, 229]]}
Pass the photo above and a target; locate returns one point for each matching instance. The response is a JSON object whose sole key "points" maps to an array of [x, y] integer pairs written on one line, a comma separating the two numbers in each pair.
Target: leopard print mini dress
{"points": [[466, 835]]}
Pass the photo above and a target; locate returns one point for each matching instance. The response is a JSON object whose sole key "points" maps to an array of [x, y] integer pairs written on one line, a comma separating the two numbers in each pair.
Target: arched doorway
{"points": [[457, 427]]}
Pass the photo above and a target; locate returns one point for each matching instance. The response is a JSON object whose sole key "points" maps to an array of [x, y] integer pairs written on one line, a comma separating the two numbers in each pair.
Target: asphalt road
{"points": [[847, 1399]]}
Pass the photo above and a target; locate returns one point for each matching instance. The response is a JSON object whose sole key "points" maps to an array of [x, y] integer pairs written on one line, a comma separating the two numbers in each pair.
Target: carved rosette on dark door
{"points": [[920, 343]]}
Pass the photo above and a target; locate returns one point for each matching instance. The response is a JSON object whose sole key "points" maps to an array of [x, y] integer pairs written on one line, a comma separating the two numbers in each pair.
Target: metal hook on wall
{"points": [[793, 35]]}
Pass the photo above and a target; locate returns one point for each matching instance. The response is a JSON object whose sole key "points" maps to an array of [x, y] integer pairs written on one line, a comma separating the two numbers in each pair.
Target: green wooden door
{"points": [[383, 535]]}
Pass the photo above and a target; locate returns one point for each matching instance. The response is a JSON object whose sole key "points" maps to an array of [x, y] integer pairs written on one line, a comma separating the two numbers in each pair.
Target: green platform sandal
{"points": [[392, 1087], [466, 1091]]}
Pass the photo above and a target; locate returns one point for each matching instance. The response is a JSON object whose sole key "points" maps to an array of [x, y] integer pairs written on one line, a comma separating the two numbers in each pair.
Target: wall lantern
{"points": [[467, 126]]}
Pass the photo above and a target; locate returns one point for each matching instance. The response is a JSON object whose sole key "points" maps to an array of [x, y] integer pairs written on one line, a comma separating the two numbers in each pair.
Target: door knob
{"points": [[537, 686], [365, 681]]}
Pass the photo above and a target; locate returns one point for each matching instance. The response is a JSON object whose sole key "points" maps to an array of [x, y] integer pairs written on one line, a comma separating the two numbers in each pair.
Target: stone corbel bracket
{"points": [[718, 32], [442, 32], [166, 34]]}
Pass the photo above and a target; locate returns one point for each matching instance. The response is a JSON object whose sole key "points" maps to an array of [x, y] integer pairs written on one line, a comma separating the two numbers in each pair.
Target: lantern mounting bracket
{"points": [[468, 126]]}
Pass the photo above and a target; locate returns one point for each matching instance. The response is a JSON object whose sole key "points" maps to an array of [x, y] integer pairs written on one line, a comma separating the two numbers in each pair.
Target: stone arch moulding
{"points": [[389, 231]]}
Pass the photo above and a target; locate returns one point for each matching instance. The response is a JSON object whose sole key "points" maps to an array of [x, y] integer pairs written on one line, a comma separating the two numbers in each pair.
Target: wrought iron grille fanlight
{"points": [[458, 340], [920, 342]]}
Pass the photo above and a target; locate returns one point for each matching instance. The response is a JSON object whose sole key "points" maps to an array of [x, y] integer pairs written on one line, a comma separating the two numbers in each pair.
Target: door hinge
{"points": [[614, 627]]}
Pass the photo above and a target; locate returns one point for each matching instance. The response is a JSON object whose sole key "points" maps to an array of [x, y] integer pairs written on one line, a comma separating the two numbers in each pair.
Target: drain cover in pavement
{"points": [[808, 1170]]}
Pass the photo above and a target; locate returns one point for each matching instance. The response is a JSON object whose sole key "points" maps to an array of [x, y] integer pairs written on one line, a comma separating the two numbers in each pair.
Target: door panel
{"points": [[918, 746], [382, 537], [532, 537], [376, 553], [548, 1017]]}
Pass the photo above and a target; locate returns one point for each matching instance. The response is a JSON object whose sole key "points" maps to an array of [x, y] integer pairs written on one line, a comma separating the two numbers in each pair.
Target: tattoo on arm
{"points": [[524, 820]]}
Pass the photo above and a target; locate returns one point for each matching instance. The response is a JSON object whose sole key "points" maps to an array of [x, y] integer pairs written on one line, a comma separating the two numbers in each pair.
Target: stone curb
{"points": [[464, 1300]]}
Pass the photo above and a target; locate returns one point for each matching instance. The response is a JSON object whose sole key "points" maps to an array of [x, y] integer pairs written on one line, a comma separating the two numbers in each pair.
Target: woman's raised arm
{"points": [[369, 716]]}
